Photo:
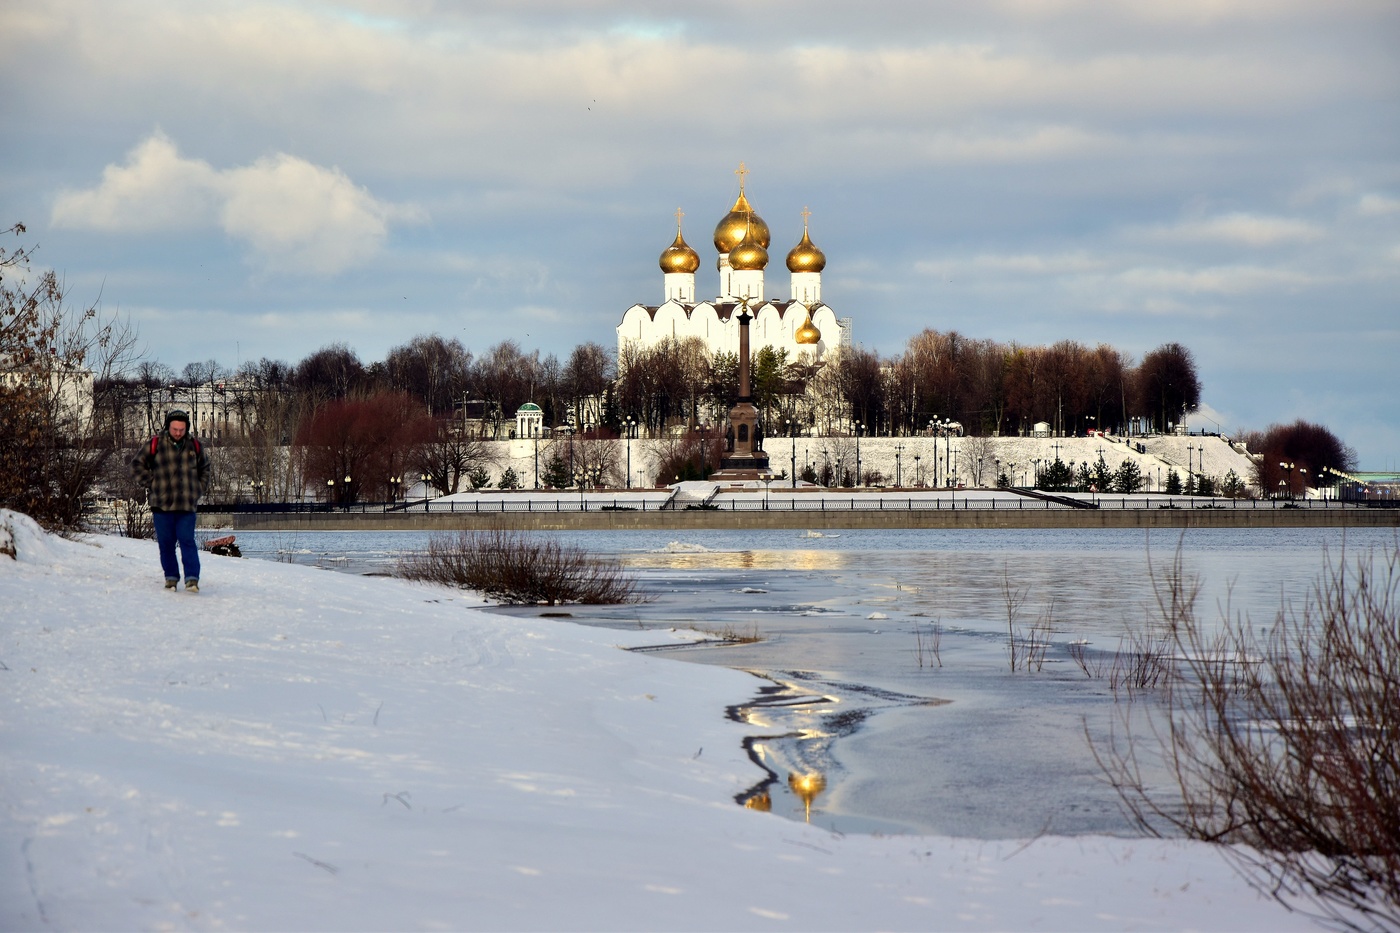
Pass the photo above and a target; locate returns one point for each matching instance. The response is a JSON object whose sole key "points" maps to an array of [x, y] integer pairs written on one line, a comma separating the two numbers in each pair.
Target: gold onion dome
{"points": [[749, 255], [807, 334], [740, 220], [805, 257], [679, 257]]}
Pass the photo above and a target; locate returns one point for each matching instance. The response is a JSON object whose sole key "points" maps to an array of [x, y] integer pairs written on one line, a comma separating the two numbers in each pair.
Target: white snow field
{"points": [[294, 749]]}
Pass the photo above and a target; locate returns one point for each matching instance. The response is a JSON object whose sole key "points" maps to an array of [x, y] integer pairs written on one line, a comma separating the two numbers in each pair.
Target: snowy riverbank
{"points": [[294, 749]]}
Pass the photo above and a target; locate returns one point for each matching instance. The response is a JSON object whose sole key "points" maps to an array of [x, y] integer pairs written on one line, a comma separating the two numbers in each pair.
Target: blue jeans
{"points": [[177, 528]]}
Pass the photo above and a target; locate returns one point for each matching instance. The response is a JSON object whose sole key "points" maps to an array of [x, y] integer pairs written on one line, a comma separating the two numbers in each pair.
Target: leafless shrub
{"points": [[513, 567], [927, 648], [1025, 649], [1285, 744], [1079, 653], [1145, 664], [731, 634]]}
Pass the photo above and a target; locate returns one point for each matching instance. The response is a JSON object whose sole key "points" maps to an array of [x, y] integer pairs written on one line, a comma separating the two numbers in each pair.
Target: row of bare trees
{"points": [[991, 387], [986, 386]]}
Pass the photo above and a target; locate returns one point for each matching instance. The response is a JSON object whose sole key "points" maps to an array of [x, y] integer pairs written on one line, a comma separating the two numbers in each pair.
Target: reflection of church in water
{"points": [[802, 325]]}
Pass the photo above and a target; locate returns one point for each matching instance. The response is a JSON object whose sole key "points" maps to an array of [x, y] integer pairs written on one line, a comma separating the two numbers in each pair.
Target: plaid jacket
{"points": [[175, 476]]}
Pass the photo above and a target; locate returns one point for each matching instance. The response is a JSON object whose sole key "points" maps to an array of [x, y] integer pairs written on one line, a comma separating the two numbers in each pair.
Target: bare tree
{"points": [[52, 455], [1287, 742], [978, 456]]}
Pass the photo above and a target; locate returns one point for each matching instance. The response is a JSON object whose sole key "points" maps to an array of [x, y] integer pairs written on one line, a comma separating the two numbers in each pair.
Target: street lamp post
{"points": [[631, 432], [898, 472], [1289, 467], [918, 477], [932, 432], [859, 426], [792, 433], [423, 478], [948, 448]]}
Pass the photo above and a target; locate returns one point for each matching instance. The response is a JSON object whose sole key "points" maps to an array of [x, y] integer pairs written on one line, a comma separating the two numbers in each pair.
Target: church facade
{"points": [[802, 324]]}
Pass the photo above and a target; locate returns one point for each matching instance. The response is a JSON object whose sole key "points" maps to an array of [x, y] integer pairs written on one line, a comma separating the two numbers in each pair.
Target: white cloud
{"points": [[1241, 228], [1019, 264], [1218, 280], [1378, 205], [157, 189], [292, 215]]}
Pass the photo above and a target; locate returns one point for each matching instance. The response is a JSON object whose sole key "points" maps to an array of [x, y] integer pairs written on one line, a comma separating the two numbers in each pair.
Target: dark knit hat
{"points": [[178, 414]]}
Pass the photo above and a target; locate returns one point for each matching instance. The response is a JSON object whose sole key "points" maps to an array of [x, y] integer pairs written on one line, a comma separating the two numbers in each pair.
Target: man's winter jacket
{"points": [[176, 475]]}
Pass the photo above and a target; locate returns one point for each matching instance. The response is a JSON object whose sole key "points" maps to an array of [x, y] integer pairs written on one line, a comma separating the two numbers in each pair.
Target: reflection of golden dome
{"points": [[805, 257], [679, 257], [807, 334], [740, 219], [749, 254]]}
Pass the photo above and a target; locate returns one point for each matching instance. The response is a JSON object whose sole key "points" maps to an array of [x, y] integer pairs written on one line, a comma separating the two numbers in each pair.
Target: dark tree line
{"points": [[1290, 457], [993, 388]]}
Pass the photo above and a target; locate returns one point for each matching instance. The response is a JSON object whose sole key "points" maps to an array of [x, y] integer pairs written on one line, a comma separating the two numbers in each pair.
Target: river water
{"points": [[884, 697]]}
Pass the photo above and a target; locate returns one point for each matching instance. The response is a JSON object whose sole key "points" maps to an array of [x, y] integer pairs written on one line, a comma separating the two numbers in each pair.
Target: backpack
{"points": [[155, 442]]}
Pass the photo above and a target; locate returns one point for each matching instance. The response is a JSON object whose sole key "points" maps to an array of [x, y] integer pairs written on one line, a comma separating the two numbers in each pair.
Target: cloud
{"points": [[291, 214], [1241, 228], [155, 190], [1378, 205], [1216, 280]]}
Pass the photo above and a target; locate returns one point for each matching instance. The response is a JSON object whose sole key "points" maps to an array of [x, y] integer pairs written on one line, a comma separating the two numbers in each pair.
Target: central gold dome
{"points": [[749, 254], [679, 257], [740, 220], [807, 334]]}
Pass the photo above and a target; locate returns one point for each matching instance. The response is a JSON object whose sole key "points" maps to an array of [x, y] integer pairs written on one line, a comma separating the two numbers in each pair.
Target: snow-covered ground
{"points": [[296, 749]]}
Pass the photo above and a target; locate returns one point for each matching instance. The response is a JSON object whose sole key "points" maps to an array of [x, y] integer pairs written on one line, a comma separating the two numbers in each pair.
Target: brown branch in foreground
{"points": [[1284, 744]]}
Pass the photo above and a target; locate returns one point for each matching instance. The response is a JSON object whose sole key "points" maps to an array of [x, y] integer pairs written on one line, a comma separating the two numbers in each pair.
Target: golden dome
{"points": [[805, 257], [749, 254], [807, 334], [679, 257], [741, 218]]}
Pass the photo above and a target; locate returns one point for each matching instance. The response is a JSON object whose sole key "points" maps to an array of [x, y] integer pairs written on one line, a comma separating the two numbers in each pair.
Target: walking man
{"points": [[173, 469]]}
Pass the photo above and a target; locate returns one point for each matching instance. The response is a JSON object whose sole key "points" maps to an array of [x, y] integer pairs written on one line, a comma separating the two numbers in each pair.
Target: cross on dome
{"points": [[741, 171]]}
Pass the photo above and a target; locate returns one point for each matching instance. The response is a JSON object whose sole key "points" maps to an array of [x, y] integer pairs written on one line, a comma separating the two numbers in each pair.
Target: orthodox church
{"points": [[802, 324]]}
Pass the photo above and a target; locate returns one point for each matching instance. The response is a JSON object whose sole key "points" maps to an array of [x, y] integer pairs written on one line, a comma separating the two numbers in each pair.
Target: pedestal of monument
{"points": [[744, 462]]}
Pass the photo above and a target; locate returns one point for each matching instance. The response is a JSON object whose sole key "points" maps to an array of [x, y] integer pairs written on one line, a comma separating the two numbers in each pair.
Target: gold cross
{"points": [[679, 214], [741, 172], [805, 214]]}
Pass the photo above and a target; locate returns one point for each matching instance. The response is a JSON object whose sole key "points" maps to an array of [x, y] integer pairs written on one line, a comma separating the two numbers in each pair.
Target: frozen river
{"points": [[882, 660]]}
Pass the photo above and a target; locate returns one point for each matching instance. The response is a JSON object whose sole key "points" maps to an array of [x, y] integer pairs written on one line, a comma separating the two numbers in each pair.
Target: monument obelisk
{"points": [[743, 460]]}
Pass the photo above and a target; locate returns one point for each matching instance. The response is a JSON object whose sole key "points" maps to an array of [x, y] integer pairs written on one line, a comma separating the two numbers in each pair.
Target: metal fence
{"points": [[829, 502]]}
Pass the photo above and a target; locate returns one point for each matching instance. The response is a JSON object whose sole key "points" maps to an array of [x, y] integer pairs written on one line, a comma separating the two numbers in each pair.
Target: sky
{"points": [[247, 180], [296, 749]]}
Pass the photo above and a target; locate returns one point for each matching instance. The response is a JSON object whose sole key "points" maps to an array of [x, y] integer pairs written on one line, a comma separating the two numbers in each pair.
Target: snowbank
{"points": [[298, 749]]}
